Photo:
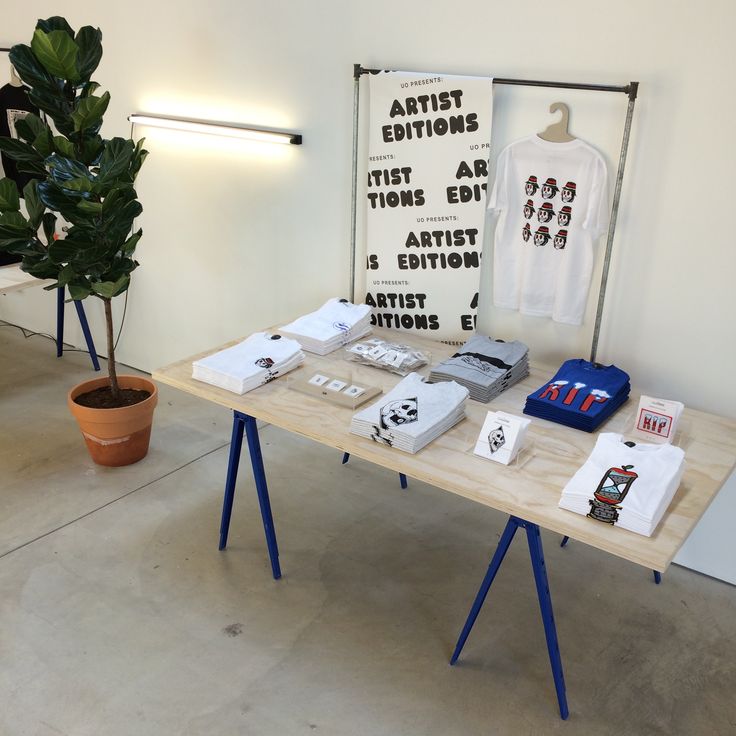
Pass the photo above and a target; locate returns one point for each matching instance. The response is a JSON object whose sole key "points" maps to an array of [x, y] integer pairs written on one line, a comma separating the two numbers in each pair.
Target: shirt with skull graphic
{"points": [[552, 202]]}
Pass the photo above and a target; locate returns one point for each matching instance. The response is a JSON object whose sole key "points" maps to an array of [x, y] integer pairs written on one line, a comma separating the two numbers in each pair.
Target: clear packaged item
{"points": [[390, 356]]}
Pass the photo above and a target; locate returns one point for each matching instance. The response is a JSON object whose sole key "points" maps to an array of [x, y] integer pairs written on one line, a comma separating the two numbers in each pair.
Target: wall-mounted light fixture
{"points": [[233, 130]]}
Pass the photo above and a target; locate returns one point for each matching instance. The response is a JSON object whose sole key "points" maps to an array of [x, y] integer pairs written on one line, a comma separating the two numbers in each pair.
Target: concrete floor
{"points": [[119, 617]]}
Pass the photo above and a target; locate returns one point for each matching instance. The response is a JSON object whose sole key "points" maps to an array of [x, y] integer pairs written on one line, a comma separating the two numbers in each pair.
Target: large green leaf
{"points": [[64, 146], [55, 199], [138, 158], [30, 70], [58, 53], [89, 111], [80, 290], [34, 205], [48, 221], [92, 209], [63, 168], [109, 289], [89, 41], [90, 150], [115, 159], [20, 151], [9, 199], [40, 266], [17, 246], [30, 127], [130, 244], [56, 106], [55, 23], [63, 250]]}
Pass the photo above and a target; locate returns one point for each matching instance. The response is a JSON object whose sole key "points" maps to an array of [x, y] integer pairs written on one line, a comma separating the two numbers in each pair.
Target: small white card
{"points": [[656, 419], [336, 385], [501, 437], [354, 391], [318, 379]]}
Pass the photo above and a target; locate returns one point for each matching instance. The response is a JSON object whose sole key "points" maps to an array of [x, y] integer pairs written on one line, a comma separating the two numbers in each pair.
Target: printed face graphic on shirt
{"points": [[565, 215], [569, 191], [529, 209], [526, 233], [531, 186], [396, 413], [541, 237], [264, 362], [545, 212], [549, 188], [560, 239], [496, 439]]}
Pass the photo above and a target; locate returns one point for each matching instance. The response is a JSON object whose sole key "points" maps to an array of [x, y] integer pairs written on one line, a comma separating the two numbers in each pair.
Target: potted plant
{"points": [[84, 183]]}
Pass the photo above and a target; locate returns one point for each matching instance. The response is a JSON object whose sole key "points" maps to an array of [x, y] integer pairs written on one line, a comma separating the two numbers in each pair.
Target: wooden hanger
{"points": [[15, 80], [558, 132]]}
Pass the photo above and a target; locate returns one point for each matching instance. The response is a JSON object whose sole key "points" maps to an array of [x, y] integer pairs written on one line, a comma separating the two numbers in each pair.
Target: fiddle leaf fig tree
{"points": [[77, 227]]}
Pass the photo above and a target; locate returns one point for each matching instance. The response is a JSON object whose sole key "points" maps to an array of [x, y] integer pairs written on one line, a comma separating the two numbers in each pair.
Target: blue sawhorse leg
{"points": [[244, 422], [60, 321], [60, 296], [87, 334], [402, 478], [545, 600], [657, 575]]}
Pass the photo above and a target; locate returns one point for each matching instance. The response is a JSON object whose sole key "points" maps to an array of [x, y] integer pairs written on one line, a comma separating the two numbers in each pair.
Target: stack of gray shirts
{"points": [[412, 414], [485, 366]]}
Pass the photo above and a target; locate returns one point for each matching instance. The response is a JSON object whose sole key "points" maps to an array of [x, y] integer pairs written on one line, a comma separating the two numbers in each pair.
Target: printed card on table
{"points": [[656, 419], [501, 437]]}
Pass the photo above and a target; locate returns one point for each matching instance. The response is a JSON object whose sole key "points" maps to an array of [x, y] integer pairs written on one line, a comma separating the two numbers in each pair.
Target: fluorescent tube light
{"points": [[233, 130]]}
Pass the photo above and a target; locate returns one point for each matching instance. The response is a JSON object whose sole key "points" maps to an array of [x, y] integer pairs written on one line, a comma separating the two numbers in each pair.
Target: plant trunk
{"points": [[114, 388]]}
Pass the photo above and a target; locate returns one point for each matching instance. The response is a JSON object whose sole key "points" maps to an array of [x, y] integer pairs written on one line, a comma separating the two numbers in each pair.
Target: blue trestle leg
{"points": [[545, 600], [564, 541], [402, 478], [245, 422], [657, 577], [60, 297], [60, 293], [87, 334]]}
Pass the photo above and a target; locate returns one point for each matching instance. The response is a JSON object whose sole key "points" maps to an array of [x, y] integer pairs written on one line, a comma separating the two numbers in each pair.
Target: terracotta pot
{"points": [[116, 437]]}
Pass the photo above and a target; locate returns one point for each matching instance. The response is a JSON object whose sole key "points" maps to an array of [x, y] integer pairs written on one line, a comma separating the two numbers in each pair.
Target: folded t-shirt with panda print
{"points": [[412, 414], [581, 394], [552, 202]]}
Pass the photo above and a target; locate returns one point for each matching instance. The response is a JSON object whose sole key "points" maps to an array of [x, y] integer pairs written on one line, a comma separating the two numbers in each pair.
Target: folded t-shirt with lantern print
{"points": [[552, 202], [581, 394], [627, 486]]}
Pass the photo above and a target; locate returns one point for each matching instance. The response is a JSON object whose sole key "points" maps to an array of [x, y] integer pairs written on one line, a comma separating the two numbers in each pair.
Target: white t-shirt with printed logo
{"points": [[552, 202]]}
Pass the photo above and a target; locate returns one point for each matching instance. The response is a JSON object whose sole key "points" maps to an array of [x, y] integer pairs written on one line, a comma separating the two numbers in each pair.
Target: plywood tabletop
{"points": [[13, 279], [530, 489]]}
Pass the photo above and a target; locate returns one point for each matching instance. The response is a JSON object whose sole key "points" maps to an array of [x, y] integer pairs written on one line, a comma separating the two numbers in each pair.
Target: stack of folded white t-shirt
{"points": [[412, 414], [485, 366], [336, 323], [629, 486], [249, 364]]}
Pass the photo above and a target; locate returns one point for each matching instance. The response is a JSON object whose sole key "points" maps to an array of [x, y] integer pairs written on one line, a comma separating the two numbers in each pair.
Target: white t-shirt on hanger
{"points": [[552, 201]]}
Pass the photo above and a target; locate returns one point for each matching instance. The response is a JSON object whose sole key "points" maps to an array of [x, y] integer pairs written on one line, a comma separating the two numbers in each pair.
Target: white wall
{"points": [[237, 236]]}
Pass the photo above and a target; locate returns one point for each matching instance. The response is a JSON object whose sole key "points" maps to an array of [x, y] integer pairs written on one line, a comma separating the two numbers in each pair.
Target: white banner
{"points": [[428, 150]]}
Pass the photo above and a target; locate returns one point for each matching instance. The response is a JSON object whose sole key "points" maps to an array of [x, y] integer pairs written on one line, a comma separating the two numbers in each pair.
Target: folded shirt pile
{"points": [[412, 414], [485, 366], [630, 487], [249, 364], [336, 323], [581, 395]]}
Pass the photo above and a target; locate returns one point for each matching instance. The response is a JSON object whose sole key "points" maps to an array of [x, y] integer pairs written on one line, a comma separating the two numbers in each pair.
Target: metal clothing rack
{"points": [[630, 90]]}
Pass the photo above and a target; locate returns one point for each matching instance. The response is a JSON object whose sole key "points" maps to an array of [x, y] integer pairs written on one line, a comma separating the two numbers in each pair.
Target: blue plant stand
{"points": [[534, 539]]}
